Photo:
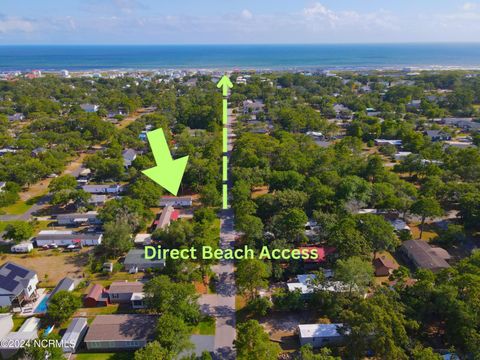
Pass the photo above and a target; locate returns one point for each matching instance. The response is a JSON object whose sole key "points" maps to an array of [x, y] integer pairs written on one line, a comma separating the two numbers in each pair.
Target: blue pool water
{"points": [[42, 307]]}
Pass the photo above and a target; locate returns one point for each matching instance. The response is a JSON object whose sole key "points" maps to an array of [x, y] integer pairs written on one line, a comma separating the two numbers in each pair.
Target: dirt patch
{"points": [[282, 327], [51, 265], [259, 191]]}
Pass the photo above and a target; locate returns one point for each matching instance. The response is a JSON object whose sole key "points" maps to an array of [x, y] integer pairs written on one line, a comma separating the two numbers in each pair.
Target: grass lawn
{"points": [[124, 355], [205, 327], [18, 208], [101, 310], [17, 322], [41, 225]]}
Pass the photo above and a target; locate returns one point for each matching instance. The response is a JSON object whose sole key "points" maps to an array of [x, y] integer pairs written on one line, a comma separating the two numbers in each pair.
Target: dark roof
{"points": [[383, 261], [423, 255], [14, 278], [122, 327], [136, 257], [64, 284]]}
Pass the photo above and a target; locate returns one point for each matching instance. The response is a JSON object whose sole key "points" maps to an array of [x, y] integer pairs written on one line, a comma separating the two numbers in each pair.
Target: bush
{"points": [[259, 306]]}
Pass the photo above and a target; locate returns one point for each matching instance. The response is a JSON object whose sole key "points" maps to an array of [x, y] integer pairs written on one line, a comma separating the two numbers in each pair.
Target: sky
{"points": [[237, 21]]}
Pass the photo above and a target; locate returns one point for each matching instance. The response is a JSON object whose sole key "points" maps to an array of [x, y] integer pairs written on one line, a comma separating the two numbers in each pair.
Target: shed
{"points": [[319, 335], [96, 297], [384, 266], [66, 284]]}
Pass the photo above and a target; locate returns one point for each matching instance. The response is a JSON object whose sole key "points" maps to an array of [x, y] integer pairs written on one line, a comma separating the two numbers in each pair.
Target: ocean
{"points": [[274, 57]]}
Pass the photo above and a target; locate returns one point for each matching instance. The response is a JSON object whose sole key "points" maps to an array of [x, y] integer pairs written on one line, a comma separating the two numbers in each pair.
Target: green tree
{"points": [[153, 351], [19, 231], [253, 343], [173, 334], [180, 299], [61, 306], [251, 275], [354, 272], [33, 351], [306, 353], [117, 237], [426, 207], [379, 232]]}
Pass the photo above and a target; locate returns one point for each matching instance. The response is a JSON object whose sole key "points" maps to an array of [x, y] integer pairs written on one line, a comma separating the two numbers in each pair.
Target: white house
{"points": [[319, 335], [174, 201], [17, 284], [129, 156], [103, 189], [90, 108], [66, 238], [72, 219]]}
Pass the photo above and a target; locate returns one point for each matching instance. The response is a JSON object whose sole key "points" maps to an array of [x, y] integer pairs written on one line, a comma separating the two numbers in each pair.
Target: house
{"points": [[17, 284], [342, 112], [75, 219], [459, 144], [96, 297], [120, 332], [253, 107], [66, 284], [16, 117], [322, 252], [97, 200], [463, 123], [23, 247], [424, 256], [38, 151], [143, 239], [103, 189], [414, 105], [15, 340], [319, 335], [401, 155], [399, 225], [129, 155], [89, 108], [168, 214], [73, 336], [382, 142], [67, 238], [384, 266], [176, 201], [2, 185], [135, 261], [125, 292], [437, 135]]}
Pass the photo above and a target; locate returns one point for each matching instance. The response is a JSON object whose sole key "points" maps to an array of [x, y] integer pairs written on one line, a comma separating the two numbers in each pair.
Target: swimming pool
{"points": [[42, 307]]}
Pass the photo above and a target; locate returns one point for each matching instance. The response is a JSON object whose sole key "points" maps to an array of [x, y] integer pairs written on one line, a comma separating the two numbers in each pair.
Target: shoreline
{"points": [[264, 69]]}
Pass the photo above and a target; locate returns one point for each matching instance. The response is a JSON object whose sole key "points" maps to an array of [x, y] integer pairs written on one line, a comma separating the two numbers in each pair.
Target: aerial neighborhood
{"points": [[377, 173]]}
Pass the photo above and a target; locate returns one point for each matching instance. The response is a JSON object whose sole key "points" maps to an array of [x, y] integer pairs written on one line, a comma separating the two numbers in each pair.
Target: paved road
{"points": [[222, 304]]}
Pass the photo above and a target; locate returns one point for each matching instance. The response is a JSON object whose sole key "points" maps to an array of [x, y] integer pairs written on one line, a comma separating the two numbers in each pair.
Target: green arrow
{"points": [[225, 84], [168, 173]]}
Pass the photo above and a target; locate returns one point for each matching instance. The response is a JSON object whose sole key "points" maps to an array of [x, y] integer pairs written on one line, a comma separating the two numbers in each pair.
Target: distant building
{"points": [[176, 201], [381, 142], [437, 135], [384, 266], [75, 219], [253, 107], [66, 238], [73, 336], [97, 200], [129, 156], [143, 239], [103, 189], [120, 332], [135, 261], [89, 108], [401, 155], [17, 284], [424, 256], [319, 335], [16, 117]]}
